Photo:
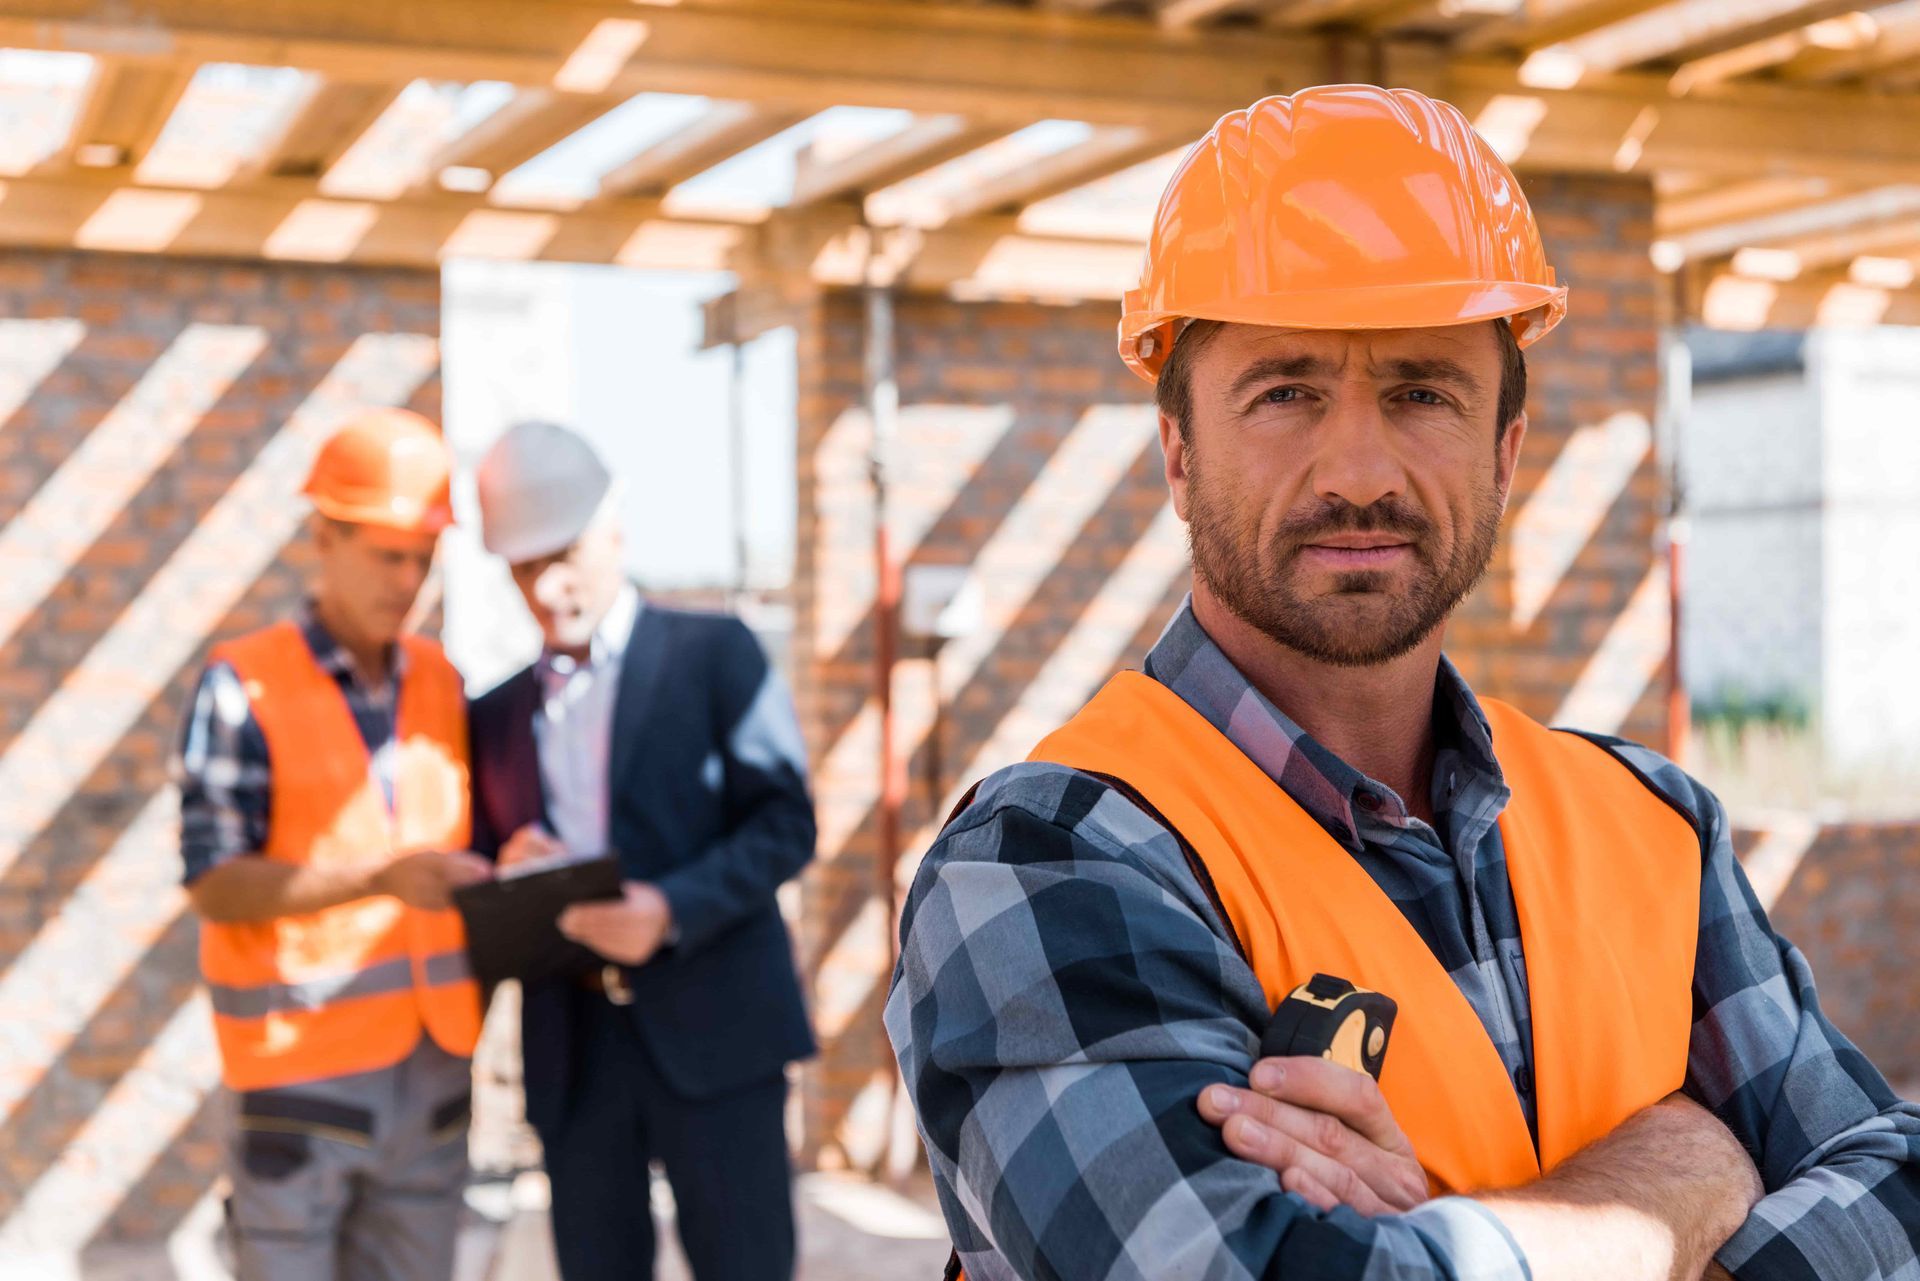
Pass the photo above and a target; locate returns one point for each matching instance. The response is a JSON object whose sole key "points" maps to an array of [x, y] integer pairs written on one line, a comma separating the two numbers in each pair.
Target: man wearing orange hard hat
{"points": [[324, 824], [1289, 957]]}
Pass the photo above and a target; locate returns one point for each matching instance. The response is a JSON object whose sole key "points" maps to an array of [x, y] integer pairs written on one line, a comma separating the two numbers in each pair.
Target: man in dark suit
{"points": [[666, 737]]}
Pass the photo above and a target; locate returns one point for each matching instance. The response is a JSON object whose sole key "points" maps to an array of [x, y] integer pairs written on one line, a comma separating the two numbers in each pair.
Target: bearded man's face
{"points": [[1343, 489]]}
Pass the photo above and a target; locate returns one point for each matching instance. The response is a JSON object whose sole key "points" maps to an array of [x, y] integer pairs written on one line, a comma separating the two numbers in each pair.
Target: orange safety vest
{"points": [[347, 989], [1606, 876]]}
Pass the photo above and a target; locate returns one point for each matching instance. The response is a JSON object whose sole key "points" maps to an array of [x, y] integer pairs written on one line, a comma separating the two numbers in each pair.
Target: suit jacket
{"points": [[707, 799]]}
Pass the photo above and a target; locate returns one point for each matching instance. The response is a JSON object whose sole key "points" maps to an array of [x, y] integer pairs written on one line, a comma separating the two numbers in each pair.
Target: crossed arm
{"points": [[1655, 1198], [1063, 1002]]}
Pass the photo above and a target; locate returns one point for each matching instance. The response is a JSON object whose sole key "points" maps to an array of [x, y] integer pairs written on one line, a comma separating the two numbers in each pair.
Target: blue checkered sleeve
{"points": [[1064, 993], [222, 770], [1838, 1151]]}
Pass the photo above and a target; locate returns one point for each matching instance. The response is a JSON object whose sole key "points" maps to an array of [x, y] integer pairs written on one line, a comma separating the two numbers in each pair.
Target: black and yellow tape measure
{"points": [[1329, 1018]]}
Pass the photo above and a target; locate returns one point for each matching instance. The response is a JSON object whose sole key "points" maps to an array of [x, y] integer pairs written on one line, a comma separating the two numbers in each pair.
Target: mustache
{"points": [[1386, 516]]}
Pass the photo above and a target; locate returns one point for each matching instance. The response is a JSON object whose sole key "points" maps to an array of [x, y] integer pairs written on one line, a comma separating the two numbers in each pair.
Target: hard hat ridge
{"points": [[1340, 207], [387, 467], [541, 487]]}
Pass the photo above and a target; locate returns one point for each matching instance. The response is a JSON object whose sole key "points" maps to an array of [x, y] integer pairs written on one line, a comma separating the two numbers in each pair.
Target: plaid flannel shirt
{"points": [[221, 763], [1065, 991]]}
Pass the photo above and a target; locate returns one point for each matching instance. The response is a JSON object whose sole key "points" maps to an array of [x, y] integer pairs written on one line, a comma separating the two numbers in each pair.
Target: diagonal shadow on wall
{"points": [[110, 574]]}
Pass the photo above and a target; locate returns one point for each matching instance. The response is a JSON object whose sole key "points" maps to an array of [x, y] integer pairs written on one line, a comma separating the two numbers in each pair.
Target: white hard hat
{"points": [[541, 486]]}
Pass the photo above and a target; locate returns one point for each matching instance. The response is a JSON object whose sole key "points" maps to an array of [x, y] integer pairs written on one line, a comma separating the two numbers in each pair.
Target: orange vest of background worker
{"points": [[324, 826]]}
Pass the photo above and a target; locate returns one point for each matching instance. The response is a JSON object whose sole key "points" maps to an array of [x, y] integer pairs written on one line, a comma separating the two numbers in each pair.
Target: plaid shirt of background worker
{"points": [[222, 768], [1065, 992]]}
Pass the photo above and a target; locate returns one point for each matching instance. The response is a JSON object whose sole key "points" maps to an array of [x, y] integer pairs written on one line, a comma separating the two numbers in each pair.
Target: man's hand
{"points": [[426, 879], [628, 931], [1326, 1129], [530, 842]]}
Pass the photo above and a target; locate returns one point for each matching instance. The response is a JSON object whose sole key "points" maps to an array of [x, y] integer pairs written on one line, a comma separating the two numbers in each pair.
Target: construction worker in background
{"points": [[324, 823], [665, 738], [1599, 1036]]}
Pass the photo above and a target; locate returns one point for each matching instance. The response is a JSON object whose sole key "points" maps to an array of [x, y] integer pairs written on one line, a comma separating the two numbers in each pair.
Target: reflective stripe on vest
{"points": [[348, 989], [1606, 877], [376, 980]]}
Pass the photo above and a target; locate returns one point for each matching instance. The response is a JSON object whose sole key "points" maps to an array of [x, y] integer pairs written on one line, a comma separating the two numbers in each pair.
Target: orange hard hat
{"points": [[384, 467], [1340, 207]]}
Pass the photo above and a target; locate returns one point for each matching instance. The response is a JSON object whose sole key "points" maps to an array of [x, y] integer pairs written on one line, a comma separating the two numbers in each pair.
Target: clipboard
{"points": [[512, 930]]}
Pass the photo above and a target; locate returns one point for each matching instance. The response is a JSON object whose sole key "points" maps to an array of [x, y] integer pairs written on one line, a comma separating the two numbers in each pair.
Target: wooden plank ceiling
{"points": [[1018, 149]]}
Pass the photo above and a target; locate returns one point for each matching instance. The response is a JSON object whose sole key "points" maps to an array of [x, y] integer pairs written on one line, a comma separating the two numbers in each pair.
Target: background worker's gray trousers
{"points": [[358, 1178]]}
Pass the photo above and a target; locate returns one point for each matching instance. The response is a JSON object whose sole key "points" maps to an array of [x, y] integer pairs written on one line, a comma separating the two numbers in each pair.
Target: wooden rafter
{"points": [[1901, 77], [1896, 38], [289, 219], [999, 67], [1853, 136], [1725, 300], [1548, 22], [972, 74], [329, 122], [530, 122], [1191, 13], [990, 63], [1813, 221], [127, 105], [915, 149], [1316, 13], [1740, 199], [1692, 29], [1893, 237], [1743, 60], [726, 130], [1105, 153]]}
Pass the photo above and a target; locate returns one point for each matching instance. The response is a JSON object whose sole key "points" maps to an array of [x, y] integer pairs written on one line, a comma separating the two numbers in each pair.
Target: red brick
{"points": [[132, 308]]}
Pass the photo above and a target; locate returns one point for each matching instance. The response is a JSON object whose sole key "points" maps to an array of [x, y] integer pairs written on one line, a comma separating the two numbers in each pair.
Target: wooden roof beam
{"points": [[1180, 14], [531, 121], [331, 120], [981, 257], [1109, 151], [1894, 237], [1758, 55], [1816, 220], [998, 67], [915, 149], [1856, 137], [127, 106], [1544, 22], [289, 220], [1677, 29], [989, 63], [1895, 38], [1741, 199], [1725, 300], [1901, 77], [724, 132], [1301, 14]]}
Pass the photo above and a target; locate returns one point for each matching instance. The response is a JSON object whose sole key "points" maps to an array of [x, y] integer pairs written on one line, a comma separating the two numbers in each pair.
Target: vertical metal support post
{"points": [[1676, 404], [883, 407], [737, 459]]}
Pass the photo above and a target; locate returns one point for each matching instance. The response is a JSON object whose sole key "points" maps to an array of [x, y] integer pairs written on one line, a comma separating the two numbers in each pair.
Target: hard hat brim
{"points": [[1146, 331], [433, 520]]}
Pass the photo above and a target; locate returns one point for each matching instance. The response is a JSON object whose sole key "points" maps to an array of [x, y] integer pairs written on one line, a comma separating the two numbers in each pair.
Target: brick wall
{"points": [[156, 417], [1572, 624], [1028, 452], [1848, 895]]}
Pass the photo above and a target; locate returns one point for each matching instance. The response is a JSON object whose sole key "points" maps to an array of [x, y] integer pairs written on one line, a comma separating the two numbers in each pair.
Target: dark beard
{"points": [[1265, 599]]}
